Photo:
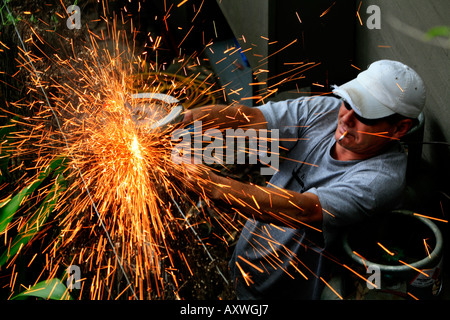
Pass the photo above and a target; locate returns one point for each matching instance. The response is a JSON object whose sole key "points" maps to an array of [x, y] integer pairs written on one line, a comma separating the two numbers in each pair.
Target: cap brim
{"points": [[362, 101]]}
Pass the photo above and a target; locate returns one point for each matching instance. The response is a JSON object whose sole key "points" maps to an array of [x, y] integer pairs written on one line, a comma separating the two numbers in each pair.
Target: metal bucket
{"points": [[405, 248]]}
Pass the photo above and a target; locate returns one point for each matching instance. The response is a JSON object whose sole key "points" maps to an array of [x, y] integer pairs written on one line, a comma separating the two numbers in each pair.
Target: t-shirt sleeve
{"points": [[292, 118], [287, 117]]}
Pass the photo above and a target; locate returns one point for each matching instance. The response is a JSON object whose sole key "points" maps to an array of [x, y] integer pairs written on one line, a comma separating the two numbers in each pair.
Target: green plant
{"points": [[32, 216], [438, 31], [52, 289], [33, 19], [9, 207], [39, 217], [6, 17]]}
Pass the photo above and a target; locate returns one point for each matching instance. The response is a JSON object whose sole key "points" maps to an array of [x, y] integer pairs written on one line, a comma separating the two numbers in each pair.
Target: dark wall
{"points": [[323, 36], [320, 31]]}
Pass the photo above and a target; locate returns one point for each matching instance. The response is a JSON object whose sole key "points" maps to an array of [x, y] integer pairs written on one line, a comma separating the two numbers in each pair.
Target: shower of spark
{"points": [[116, 216]]}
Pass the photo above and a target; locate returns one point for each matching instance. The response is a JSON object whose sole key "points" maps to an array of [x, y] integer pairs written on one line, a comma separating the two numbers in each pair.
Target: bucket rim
{"points": [[432, 259]]}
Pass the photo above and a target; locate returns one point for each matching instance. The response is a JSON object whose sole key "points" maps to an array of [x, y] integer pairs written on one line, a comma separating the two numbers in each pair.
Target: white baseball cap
{"points": [[385, 88]]}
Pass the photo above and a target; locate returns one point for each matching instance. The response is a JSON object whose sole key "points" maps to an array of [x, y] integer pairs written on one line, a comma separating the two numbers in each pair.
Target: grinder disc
{"points": [[155, 111]]}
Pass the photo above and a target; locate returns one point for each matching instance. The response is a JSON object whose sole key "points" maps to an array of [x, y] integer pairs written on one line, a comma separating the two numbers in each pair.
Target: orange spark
{"points": [[327, 10], [385, 249], [411, 295], [418, 270], [251, 264], [431, 218], [181, 3], [426, 247], [245, 275], [358, 275], [331, 288], [357, 13], [379, 134]]}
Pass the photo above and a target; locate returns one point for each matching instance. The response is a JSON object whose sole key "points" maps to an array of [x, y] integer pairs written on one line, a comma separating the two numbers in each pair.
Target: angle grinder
{"points": [[155, 111]]}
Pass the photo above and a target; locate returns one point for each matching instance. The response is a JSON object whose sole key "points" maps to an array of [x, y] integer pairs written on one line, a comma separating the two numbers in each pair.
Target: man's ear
{"points": [[402, 127]]}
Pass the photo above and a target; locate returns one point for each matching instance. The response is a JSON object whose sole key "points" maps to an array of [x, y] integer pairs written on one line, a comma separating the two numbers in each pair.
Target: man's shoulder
{"points": [[320, 105], [317, 100]]}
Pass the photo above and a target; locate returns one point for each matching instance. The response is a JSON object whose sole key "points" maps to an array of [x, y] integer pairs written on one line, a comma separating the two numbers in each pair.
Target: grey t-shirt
{"points": [[286, 263]]}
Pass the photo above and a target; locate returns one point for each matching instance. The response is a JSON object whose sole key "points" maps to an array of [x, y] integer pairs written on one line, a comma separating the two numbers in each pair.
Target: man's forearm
{"points": [[227, 117], [272, 205]]}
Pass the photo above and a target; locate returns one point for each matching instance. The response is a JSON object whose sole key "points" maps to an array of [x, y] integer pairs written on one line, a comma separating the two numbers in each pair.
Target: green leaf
{"points": [[11, 19], [52, 289], [35, 223], [54, 19], [9, 207], [438, 31]]}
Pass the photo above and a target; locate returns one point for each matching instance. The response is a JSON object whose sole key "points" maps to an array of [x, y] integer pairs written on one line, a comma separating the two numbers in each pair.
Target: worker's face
{"points": [[364, 138]]}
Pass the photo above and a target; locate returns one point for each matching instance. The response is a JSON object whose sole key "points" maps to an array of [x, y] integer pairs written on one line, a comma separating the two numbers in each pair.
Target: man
{"points": [[345, 164]]}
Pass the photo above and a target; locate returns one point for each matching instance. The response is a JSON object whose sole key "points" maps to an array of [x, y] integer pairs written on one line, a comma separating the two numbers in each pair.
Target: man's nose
{"points": [[348, 118]]}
